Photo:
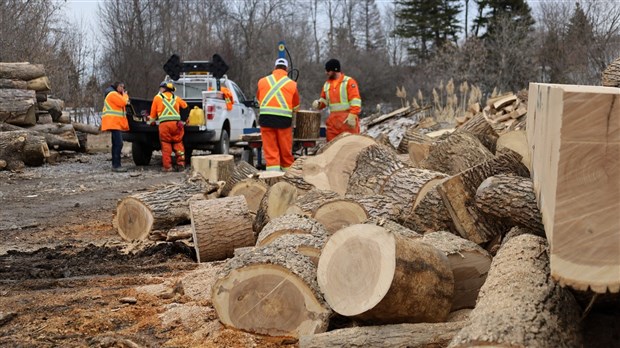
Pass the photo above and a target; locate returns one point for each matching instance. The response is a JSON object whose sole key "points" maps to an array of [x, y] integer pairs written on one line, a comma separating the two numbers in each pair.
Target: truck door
{"points": [[247, 114]]}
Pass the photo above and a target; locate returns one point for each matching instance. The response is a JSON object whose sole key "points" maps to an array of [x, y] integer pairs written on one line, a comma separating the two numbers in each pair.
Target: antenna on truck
{"points": [[283, 52]]}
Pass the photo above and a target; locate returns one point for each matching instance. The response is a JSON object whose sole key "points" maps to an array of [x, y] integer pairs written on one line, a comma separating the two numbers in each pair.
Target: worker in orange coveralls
{"points": [[166, 108], [278, 99], [341, 94]]}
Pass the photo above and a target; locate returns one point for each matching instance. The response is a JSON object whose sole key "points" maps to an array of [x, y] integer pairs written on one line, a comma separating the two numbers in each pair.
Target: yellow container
{"points": [[196, 117]]}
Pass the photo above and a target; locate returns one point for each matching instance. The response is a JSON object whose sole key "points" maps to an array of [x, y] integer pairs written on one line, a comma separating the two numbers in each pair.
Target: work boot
{"points": [[119, 169]]}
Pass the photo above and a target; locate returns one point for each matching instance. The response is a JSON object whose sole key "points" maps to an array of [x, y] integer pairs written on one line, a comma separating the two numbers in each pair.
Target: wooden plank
{"points": [[574, 141]]}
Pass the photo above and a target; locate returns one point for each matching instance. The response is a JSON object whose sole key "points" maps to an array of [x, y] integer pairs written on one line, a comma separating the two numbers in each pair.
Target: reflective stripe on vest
{"points": [[108, 111], [169, 113], [275, 91], [343, 103]]}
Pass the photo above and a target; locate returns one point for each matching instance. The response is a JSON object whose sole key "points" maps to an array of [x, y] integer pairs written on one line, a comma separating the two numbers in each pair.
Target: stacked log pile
{"points": [[26, 107], [506, 112]]}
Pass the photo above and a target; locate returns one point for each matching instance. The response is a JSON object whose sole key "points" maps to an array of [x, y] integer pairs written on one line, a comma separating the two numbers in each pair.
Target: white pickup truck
{"points": [[223, 127]]}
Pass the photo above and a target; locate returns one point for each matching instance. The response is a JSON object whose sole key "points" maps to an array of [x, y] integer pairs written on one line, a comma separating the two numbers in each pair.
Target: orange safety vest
{"points": [[342, 95], [277, 94], [166, 107], [113, 114]]}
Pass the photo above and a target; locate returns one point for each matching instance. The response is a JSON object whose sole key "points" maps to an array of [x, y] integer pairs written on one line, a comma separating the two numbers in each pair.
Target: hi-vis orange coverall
{"points": [[166, 108], [278, 97], [342, 96]]}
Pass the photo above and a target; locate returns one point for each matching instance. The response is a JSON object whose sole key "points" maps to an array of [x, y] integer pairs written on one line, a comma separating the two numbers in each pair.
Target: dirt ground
{"points": [[67, 279]]}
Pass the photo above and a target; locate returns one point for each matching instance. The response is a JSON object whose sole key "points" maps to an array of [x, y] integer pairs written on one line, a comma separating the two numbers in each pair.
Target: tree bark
{"points": [[374, 275], [13, 84], [57, 136], [21, 71], [338, 213], [422, 335], [159, 209], [307, 124], [86, 128], [482, 129], [310, 201], [219, 226], [19, 148], [273, 290], [294, 176], [252, 189], [214, 168], [511, 198], [459, 193], [520, 305], [54, 107], [458, 152], [274, 203], [242, 171], [290, 224], [17, 107], [404, 185], [428, 213], [412, 134], [611, 74], [373, 167], [378, 206]]}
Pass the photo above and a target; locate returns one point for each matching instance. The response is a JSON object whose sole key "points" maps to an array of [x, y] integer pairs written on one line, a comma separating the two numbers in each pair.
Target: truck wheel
{"points": [[223, 146], [141, 153]]}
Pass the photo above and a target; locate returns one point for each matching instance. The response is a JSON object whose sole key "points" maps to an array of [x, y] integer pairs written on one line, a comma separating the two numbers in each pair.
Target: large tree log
{"points": [[274, 203], [517, 142], [459, 194], [40, 84], [412, 134], [17, 107], [158, 209], [13, 84], [511, 198], [54, 107], [19, 147], [374, 165], [330, 169], [573, 135], [57, 136], [458, 152], [422, 335], [252, 189], [21, 71], [290, 224], [469, 263], [520, 305], [428, 213], [294, 176], [379, 206], [273, 290], [482, 129], [404, 185], [375, 275], [242, 171], [338, 213], [219, 226], [86, 128], [307, 124], [214, 168], [310, 201]]}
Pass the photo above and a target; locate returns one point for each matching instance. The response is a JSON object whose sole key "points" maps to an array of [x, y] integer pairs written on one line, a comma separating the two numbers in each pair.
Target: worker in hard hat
{"points": [[278, 99], [166, 109], [113, 119], [341, 94]]}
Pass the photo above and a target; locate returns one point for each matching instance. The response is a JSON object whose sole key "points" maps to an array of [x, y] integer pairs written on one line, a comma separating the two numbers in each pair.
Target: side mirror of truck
{"points": [[251, 103]]}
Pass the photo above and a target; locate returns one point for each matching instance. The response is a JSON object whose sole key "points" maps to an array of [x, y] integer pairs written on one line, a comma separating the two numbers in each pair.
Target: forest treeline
{"points": [[405, 43]]}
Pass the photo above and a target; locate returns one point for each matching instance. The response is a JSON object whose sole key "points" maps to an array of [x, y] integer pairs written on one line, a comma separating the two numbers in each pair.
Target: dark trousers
{"points": [[117, 146]]}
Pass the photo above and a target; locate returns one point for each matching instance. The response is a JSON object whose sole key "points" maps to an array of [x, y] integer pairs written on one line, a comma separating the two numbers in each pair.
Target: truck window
{"points": [[240, 94], [191, 90]]}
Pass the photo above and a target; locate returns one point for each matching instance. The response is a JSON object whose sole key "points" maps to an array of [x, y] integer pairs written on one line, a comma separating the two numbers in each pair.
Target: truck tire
{"points": [[141, 153], [223, 146]]}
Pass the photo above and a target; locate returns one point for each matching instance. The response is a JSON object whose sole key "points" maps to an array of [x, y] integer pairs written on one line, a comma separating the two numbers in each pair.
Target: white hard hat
{"points": [[281, 61]]}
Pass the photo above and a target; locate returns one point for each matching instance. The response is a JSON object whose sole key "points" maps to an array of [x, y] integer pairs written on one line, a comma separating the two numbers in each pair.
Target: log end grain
{"points": [[133, 219]]}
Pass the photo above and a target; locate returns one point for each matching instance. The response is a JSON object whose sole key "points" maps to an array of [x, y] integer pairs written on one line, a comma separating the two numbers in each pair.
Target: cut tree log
{"points": [[57, 137], [458, 194], [418, 152], [611, 74], [330, 169], [469, 263], [294, 176], [290, 224], [428, 213], [374, 165], [54, 107], [511, 198], [269, 177], [13, 84], [412, 134], [161, 208], [21, 71], [19, 148], [310, 201], [40, 84], [307, 124], [274, 203], [574, 140], [214, 168], [422, 335], [273, 290], [404, 185], [219, 226], [86, 128], [384, 139], [242, 171], [520, 305], [378, 206], [338, 213], [482, 129], [252, 189], [516, 141], [17, 107], [374, 275], [458, 152]]}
